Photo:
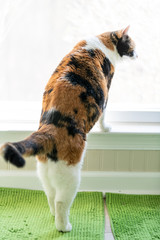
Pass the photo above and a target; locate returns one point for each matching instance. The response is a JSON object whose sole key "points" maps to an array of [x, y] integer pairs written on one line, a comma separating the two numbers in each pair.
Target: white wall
{"points": [[108, 161]]}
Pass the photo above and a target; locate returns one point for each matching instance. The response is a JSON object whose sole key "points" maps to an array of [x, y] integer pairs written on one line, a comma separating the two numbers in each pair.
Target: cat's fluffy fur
{"points": [[74, 99]]}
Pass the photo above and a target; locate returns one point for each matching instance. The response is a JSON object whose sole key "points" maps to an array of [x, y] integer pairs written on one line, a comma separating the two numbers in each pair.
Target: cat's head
{"points": [[125, 46]]}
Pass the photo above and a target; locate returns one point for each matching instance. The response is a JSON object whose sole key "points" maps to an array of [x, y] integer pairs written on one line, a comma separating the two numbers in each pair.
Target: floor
{"points": [[108, 231]]}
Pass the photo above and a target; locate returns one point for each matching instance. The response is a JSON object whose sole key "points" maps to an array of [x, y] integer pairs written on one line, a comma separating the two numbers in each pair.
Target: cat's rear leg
{"points": [[63, 202], [42, 169], [66, 180], [51, 200]]}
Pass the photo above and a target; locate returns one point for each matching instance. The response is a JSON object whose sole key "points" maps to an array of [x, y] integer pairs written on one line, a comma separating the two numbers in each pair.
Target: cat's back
{"points": [[77, 89], [74, 99]]}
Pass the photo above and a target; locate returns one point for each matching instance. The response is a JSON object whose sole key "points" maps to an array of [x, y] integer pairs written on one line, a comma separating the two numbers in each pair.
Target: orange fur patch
{"points": [[106, 40]]}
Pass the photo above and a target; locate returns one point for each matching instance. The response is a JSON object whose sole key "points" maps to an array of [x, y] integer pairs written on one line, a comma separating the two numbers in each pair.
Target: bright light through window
{"points": [[35, 35]]}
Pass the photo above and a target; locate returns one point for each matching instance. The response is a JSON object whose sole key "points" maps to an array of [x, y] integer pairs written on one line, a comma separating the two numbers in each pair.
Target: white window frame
{"points": [[134, 116], [20, 115], [19, 119]]}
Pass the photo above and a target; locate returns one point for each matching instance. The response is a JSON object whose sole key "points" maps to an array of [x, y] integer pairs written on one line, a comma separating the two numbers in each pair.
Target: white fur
{"points": [[96, 43], [104, 127], [60, 182]]}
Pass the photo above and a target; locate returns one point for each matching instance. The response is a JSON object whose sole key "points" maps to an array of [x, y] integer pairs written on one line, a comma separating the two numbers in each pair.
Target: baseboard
{"points": [[124, 182]]}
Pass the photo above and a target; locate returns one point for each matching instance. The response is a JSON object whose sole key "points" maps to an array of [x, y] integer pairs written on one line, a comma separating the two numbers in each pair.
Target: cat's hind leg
{"points": [[51, 200], [42, 169], [66, 180]]}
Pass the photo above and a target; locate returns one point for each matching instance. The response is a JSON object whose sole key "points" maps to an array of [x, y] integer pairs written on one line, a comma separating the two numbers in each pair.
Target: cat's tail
{"points": [[39, 142]]}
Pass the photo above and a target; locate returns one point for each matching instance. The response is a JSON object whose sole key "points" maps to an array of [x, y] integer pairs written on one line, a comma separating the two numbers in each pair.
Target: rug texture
{"points": [[134, 217], [25, 214]]}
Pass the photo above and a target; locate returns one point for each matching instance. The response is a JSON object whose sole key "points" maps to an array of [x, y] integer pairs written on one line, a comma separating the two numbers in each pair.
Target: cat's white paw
{"points": [[61, 228], [105, 127]]}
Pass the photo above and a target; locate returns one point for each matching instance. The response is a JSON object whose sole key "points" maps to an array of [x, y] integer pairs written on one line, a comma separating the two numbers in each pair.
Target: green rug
{"points": [[134, 217], [25, 214]]}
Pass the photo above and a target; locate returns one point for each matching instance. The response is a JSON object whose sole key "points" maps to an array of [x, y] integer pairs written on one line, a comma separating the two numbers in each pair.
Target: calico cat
{"points": [[74, 99]]}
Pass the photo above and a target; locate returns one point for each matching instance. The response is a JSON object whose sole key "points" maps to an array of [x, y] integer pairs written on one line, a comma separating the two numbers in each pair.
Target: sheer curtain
{"points": [[35, 35], [31, 46]]}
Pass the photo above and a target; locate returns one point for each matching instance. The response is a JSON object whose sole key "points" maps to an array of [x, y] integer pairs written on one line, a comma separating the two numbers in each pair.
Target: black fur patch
{"points": [[74, 62], [91, 52], [95, 113], [123, 45], [28, 144], [21, 149], [83, 97], [89, 74], [94, 89], [72, 130], [59, 120], [13, 156], [53, 155], [76, 79], [48, 92], [106, 66], [79, 63], [75, 111], [114, 38], [109, 80], [56, 118], [92, 108]]}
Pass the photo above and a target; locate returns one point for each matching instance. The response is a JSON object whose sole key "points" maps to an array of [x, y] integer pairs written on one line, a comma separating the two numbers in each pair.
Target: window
{"points": [[35, 35]]}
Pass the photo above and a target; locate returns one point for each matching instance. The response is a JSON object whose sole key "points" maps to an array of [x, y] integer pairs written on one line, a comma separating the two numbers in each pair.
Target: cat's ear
{"points": [[125, 31]]}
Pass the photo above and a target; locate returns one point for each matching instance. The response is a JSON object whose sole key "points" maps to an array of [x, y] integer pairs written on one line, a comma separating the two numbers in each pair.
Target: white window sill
{"points": [[134, 128], [24, 116], [122, 136], [142, 131]]}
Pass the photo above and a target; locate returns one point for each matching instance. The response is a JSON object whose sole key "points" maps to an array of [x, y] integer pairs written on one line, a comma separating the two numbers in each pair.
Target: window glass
{"points": [[35, 35]]}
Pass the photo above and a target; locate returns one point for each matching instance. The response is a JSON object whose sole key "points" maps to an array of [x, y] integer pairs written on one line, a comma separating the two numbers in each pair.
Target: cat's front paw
{"points": [[105, 127], [62, 228]]}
